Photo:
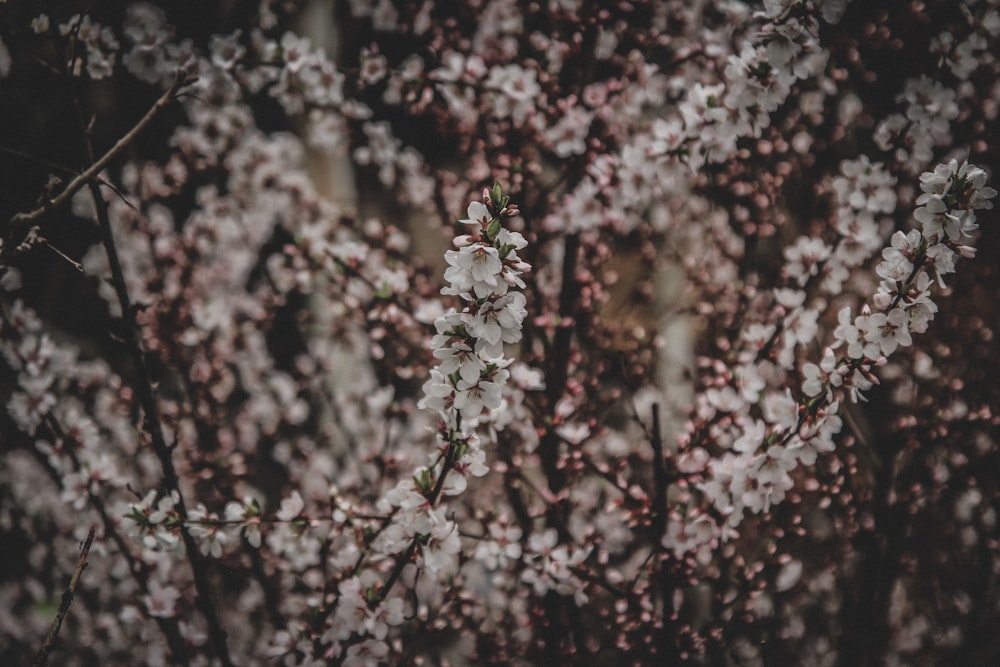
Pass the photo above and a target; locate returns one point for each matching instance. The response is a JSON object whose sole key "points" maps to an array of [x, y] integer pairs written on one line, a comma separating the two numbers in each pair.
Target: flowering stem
{"points": [[449, 462], [404, 558]]}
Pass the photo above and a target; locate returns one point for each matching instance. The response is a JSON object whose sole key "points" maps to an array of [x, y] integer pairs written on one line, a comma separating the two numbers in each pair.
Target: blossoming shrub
{"points": [[704, 375]]}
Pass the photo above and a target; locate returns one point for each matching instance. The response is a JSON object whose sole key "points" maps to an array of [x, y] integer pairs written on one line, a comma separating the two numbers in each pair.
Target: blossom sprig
{"points": [[466, 388], [472, 368], [466, 391], [155, 522], [754, 473], [758, 79], [902, 303]]}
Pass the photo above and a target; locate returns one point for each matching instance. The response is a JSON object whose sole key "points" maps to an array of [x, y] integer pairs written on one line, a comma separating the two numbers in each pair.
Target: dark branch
{"points": [[42, 659], [89, 174], [153, 427]]}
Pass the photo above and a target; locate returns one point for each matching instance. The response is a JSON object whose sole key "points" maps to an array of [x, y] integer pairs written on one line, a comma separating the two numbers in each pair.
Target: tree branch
{"points": [[42, 659], [138, 568], [152, 425], [182, 79]]}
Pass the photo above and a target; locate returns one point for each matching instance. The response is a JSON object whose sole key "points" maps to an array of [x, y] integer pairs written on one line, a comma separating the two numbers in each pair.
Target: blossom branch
{"points": [[465, 390], [663, 151]]}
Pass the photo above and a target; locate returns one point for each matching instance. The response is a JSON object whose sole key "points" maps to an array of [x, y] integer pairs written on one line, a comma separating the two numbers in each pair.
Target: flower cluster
{"points": [[466, 388], [466, 392], [902, 303], [756, 472], [469, 345], [99, 42]]}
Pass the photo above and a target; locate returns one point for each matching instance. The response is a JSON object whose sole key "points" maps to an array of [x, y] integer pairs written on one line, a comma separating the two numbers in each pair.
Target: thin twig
{"points": [[661, 481], [48, 164], [72, 262], [42, 659], [406, 556], [112, 530], [21, 219]]}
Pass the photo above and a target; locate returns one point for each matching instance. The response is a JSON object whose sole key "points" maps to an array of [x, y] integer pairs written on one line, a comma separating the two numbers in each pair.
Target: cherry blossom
{"points": [[679, 386]]}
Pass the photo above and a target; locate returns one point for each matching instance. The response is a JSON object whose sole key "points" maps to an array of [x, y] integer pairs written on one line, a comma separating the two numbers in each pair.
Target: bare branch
{"points": [[42, 659], [182, 79]]}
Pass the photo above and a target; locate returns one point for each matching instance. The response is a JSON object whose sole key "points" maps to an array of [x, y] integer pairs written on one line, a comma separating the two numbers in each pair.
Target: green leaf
{"points": [[496, 195], [424, 481]]}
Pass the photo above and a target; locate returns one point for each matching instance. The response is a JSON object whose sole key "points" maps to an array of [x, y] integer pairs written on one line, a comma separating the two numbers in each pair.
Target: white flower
{"points": [[441, 550], [517, 91], [504, 546], [868, 345], [814, 379], [688, 534], [900, 255], [781, 409], [847, 333], [860, 236], [753, 436], [937, 220], [162, 600], [975, 180], [858, 383], [801, 325], [805, 257], [942, 258], [506, 237], [770, 473], [473, 462], [567, 136], [478, 214], [204, 527], [472, 398], [889, 330], [291, 507], [378, 620], [438, 393], [865, 186], [497, 322], [249, 521], [461, 358], [474, 268]]}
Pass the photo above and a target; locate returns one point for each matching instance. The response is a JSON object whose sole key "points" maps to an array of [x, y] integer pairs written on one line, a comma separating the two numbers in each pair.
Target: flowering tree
{"points": [[266, 402]]}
